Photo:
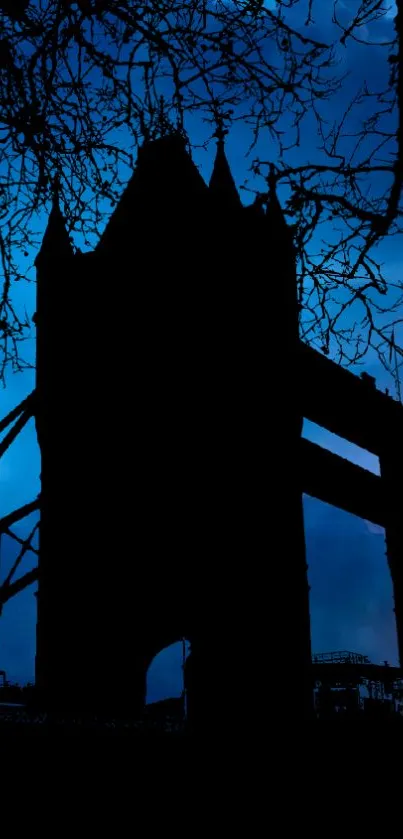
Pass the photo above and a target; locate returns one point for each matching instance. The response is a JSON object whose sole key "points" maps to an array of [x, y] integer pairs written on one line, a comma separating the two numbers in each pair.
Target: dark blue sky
{"points": [[351, 595]]}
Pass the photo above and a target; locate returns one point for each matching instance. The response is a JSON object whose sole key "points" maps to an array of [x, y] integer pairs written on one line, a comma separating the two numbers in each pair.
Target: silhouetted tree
{"points": [[81, 86]]}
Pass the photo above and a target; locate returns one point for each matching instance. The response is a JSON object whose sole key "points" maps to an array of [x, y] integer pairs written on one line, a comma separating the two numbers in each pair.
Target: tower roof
{"points": [[255, 210], [165, 184], [56, 243], [222, 184]]}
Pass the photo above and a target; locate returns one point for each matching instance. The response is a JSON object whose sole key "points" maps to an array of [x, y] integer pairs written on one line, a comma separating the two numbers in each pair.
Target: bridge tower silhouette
{"points": [[171, 387], [171, 502]]}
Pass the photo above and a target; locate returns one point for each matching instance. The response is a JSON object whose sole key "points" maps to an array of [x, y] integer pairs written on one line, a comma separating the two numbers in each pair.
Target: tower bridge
{"points": [[171, 447]]}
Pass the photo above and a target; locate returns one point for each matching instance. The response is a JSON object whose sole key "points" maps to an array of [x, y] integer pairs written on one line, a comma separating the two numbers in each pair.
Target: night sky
{"points": [[351, 593]]}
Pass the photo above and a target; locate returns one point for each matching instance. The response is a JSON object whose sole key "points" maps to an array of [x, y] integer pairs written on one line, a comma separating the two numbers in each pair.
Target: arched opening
{"points": [[165, 680]]}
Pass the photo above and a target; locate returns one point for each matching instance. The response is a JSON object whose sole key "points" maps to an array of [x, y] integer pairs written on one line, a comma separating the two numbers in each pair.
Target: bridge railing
{"points": [[340, 657]]}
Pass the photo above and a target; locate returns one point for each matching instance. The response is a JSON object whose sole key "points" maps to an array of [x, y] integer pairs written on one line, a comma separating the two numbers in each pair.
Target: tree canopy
{"points": [[82, 84]]}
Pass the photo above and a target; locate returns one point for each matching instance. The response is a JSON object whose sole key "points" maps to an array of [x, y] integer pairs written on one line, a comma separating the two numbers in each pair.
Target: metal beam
{"points": [[14, 536], [15, 430], [337, 481], [20, 556], [340, 401], [16, 411], [16, 515], [10, 590]]}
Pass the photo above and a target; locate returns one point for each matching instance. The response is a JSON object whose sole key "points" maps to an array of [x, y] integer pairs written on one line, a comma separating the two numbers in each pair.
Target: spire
{"points": [[256, 210], [56, 243], [165, 185], [222, 184]]}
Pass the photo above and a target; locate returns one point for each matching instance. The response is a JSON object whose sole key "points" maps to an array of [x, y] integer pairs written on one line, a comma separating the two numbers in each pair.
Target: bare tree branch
{"points": [[83, 83]]}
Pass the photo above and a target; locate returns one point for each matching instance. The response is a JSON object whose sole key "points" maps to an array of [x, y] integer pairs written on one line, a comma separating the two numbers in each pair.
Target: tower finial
{"points": [[56, 242], [220, 131], [271, 180], [222, 185], [56, 190]]}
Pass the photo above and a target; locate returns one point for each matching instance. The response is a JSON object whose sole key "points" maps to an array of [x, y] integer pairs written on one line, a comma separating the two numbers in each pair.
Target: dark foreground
{"points": [[22, 721]]}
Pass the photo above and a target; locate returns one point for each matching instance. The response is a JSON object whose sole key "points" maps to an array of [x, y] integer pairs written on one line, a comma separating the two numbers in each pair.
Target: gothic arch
{"points": [[165, 676]]}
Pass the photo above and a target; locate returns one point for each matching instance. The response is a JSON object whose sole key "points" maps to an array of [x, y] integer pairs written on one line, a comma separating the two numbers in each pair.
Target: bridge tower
{"points": [[171, 501]]}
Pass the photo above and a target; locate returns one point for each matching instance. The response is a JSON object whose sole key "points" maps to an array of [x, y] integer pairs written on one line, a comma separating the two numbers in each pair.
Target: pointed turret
{"points": [[56, 245], [255, 211], [222, 185], [165, 184]]}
